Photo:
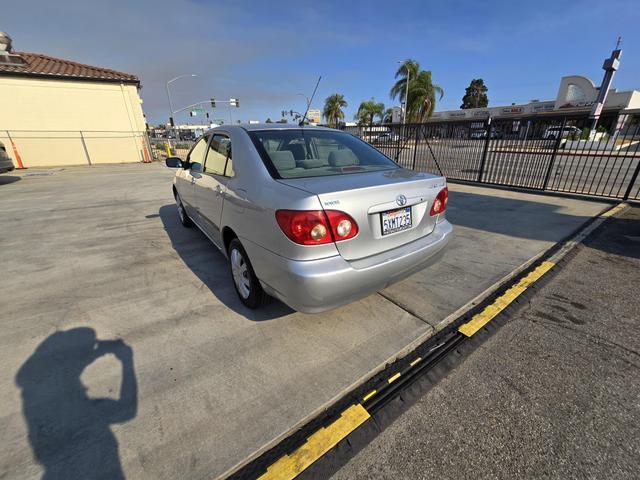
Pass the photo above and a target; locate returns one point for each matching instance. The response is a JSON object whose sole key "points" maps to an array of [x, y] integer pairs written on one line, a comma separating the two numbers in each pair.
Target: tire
{"points": [[244, 278], [182, 213]]}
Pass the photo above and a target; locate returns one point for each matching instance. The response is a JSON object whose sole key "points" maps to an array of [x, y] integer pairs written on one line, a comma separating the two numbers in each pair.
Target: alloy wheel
{"points": [[240, 273]]}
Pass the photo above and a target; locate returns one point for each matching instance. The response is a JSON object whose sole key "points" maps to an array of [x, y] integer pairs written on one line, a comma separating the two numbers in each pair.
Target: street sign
{"points": [[314, 116]]}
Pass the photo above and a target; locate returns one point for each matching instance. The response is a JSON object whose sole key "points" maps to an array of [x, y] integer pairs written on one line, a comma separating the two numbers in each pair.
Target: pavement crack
{"points": [[405, 308]]}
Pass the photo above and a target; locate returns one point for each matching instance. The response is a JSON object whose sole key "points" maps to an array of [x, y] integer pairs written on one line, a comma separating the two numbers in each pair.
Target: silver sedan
{"points": [[312, 216]]}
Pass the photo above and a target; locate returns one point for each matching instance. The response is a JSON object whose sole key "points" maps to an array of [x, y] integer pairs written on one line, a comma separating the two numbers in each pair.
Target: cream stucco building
{"points": [[59, 112]]}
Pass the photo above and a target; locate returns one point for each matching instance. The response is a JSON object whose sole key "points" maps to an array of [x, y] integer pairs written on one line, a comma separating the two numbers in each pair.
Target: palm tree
{"points": [[399, 89], [333, 106], [422, 92], [368, 110]]}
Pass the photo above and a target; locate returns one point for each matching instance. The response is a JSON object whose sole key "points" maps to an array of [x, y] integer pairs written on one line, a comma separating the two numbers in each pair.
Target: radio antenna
{"points": [[310, 101]]}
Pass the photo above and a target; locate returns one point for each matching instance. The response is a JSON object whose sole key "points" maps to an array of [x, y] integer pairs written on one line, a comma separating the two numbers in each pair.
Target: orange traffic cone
{"points": [[147, 157], [15, 152]]}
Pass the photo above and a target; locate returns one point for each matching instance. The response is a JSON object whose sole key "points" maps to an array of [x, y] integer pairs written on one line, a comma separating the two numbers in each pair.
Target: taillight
{"points": [[440, 203], [316, 227], [343, 226]]}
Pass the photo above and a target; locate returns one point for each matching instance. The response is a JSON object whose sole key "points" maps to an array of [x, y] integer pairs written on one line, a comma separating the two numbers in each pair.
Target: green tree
{"points": [[421, 101], [282, 120], [333, 106], [475, 96], [368, 110], [268, 120]]}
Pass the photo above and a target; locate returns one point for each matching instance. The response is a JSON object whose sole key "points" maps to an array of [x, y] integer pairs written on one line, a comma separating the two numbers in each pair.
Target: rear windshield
{"points": [[305, 153]]}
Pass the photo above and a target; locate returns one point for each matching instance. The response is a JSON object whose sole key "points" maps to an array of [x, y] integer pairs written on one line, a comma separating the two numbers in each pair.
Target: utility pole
{"points": [[610, 67]]}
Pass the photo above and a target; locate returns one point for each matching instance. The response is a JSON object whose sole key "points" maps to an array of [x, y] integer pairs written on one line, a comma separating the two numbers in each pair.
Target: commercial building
{"points": [[576, 95], [60, 112]]}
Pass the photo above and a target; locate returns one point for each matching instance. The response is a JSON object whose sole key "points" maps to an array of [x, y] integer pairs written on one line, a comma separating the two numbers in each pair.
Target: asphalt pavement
{"points": [[554, 393]]}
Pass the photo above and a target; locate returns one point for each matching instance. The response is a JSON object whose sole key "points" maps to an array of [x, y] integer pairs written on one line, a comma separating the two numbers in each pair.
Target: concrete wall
{"points": [[44, 118]]}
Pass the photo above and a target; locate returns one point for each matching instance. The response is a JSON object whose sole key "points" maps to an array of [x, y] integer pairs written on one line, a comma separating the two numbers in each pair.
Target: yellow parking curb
{"points": [[290, 466], [503, 301]]}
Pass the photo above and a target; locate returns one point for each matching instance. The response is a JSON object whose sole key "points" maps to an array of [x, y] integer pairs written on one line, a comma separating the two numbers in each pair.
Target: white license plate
{"points": [[395, 220]]}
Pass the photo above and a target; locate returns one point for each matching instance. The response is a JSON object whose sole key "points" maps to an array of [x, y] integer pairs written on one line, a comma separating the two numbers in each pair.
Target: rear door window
{"points": [[218, 153], [196, 155]]}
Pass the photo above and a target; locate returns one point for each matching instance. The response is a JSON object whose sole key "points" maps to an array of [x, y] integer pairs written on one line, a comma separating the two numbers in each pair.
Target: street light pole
{"points": [[306, 99], [406, 98], [169, 93], [406, 95]]}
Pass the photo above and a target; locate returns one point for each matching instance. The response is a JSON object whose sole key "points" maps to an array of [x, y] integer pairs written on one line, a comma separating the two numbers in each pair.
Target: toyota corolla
{"points": [[312, 216]]}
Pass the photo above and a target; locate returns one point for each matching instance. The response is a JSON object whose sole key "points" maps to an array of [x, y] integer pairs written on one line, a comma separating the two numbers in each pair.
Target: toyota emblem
{"points": [[401, 200]]}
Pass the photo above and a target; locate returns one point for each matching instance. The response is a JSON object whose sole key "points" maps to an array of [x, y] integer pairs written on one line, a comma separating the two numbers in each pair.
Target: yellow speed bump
{"points": [[290, 466], [503, 301]]}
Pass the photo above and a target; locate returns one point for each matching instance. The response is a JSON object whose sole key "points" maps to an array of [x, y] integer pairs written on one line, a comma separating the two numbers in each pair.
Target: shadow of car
{"points": [[211, 267]]}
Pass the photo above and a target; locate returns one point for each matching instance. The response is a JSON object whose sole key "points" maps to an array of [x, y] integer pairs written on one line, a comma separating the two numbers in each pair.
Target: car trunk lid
{"points": [[366, 196]]}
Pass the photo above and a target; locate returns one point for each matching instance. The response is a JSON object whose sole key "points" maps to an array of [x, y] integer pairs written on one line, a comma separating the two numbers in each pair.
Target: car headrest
{"points": [[342, 158], [283, 160], [312, 163]]}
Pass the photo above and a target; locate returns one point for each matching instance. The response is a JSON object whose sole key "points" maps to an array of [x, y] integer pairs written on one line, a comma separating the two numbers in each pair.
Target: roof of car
{"points": [[252, 127], [279, 126]]}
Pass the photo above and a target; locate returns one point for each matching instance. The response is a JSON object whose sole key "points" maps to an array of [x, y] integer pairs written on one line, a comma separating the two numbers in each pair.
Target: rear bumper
{"points": [[317, 285]]}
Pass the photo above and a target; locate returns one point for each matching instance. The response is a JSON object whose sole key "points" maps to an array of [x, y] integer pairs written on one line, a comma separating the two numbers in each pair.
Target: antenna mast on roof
{"points": [[304, 117]]}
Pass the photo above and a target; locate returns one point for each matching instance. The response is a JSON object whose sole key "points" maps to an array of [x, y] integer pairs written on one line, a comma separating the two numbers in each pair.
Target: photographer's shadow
{"points": [[70, 432]]}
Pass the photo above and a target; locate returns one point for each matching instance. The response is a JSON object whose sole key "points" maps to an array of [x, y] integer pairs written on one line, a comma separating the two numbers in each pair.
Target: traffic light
{"points": [[213, 103], [171, 121], [207, 114], [234, 102]]}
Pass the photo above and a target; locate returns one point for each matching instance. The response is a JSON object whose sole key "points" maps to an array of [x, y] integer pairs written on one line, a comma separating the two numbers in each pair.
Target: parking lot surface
{"points": [[207, 384], [552, 394]]}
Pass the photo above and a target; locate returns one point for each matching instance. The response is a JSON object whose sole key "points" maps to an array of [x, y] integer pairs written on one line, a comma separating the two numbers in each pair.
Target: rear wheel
{"points": [[245, 281], [182, 213]]}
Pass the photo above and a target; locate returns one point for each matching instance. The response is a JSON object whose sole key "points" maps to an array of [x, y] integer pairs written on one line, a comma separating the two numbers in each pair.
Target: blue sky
{"points": [[265, 53]]}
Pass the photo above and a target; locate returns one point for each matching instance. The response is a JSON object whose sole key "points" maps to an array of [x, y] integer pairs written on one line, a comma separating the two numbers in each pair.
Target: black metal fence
{"points": [[557, 153]]}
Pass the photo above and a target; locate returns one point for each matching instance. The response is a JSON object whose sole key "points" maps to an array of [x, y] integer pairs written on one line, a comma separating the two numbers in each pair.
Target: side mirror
{"points": [[173, 162]]}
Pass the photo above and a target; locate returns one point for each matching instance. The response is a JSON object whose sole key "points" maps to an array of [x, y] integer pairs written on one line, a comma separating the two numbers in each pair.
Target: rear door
{"points": [[210, 188]]}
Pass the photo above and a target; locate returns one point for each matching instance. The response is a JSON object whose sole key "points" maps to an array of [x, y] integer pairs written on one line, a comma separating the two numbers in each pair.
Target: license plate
{"points": [[395, 220]]}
